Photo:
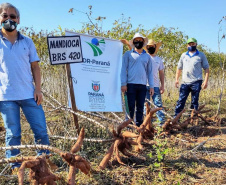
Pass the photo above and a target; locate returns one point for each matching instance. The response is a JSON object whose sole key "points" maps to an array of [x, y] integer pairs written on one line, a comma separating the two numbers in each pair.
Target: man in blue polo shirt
{"points": [[18, 69], [191, 63], [136, 71]]}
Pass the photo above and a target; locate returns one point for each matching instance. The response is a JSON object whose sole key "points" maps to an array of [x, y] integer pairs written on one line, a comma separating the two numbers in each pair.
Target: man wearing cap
{"points": [[19, 68], [136, 71], [191, 63], [158, 73]]}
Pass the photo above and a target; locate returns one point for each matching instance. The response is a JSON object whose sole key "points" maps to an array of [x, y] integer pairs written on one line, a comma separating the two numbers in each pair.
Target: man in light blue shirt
{"points": [[18, 69], [136, 71], [191, 63]]}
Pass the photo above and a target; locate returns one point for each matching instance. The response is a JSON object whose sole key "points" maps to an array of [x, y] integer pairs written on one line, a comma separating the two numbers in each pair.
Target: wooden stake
{"points": [[72, 95]]}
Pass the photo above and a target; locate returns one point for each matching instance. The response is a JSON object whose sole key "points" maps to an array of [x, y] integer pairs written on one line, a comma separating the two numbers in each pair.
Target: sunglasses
{"points": [[12, 16]]}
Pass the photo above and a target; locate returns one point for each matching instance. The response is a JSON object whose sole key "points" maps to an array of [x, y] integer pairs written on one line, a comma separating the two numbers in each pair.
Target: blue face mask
{"points": [[191, 48], [9, 25]]}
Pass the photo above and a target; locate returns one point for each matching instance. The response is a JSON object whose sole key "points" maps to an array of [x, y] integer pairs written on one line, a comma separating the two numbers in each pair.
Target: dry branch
{"points": [[201, 145], [204, 142], [95, 140], [68, 109], [40, 147]]}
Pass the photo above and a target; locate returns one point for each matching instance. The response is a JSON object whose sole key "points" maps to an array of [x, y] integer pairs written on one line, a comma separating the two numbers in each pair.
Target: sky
{"points": [[195, 18]]}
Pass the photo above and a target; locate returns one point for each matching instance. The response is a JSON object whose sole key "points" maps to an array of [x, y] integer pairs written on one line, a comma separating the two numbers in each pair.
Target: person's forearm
{"points": [[124, 41], [178, 74], [151, 80], [37, 76], [124, 70], [123, 77], [129, 46], [207, 72], [150, 74], [161, 77]]}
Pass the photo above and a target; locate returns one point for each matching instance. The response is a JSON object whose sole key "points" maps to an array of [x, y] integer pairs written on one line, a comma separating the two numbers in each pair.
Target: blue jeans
{"points": [[10, 111], [157, 101], [185, 89], [136, 97]]}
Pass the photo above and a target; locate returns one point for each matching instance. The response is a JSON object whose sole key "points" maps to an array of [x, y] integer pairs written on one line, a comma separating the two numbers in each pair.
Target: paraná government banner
{"points": [[96, 81]]}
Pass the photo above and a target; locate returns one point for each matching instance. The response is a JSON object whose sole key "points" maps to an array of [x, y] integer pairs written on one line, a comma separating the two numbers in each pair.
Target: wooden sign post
{"points": [[66, 50], [72, 96]]}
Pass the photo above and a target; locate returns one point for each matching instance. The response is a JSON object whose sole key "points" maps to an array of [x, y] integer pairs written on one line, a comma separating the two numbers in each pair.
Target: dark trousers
{"points": [[185, 89], [136, 96]]}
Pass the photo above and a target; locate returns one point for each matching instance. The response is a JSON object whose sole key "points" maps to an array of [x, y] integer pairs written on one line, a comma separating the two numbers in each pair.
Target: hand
{"points": [[124, 41], [177, 84], [124, 88], [151, 91], [204, 85], [161, 89], [38, 96]]}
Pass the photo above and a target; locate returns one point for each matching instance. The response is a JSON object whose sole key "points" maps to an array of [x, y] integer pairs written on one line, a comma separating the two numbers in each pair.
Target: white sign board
{"points": [[98, 84], [65, 49]]}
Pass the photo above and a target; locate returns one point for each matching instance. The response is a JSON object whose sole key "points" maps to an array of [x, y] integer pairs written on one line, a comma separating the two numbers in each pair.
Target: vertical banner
{"points": [[97, 84]]}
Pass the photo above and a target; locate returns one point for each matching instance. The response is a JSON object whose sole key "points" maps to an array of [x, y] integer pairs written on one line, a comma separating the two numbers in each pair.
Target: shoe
{"points": [[138, 124]]}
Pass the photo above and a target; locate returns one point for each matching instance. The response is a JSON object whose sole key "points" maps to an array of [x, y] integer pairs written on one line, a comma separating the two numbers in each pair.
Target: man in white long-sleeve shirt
{"points": [[136, 71]]}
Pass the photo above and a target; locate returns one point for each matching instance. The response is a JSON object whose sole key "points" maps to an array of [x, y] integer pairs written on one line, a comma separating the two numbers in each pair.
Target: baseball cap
{"points": [[191, 40]]}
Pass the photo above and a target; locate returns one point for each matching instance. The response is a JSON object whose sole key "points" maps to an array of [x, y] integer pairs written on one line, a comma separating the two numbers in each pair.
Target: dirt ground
{"points": [[195, 155]]}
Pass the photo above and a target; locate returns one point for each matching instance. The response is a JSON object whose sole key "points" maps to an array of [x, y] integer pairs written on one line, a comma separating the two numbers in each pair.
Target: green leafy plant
{"points": [[160, 150]]}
